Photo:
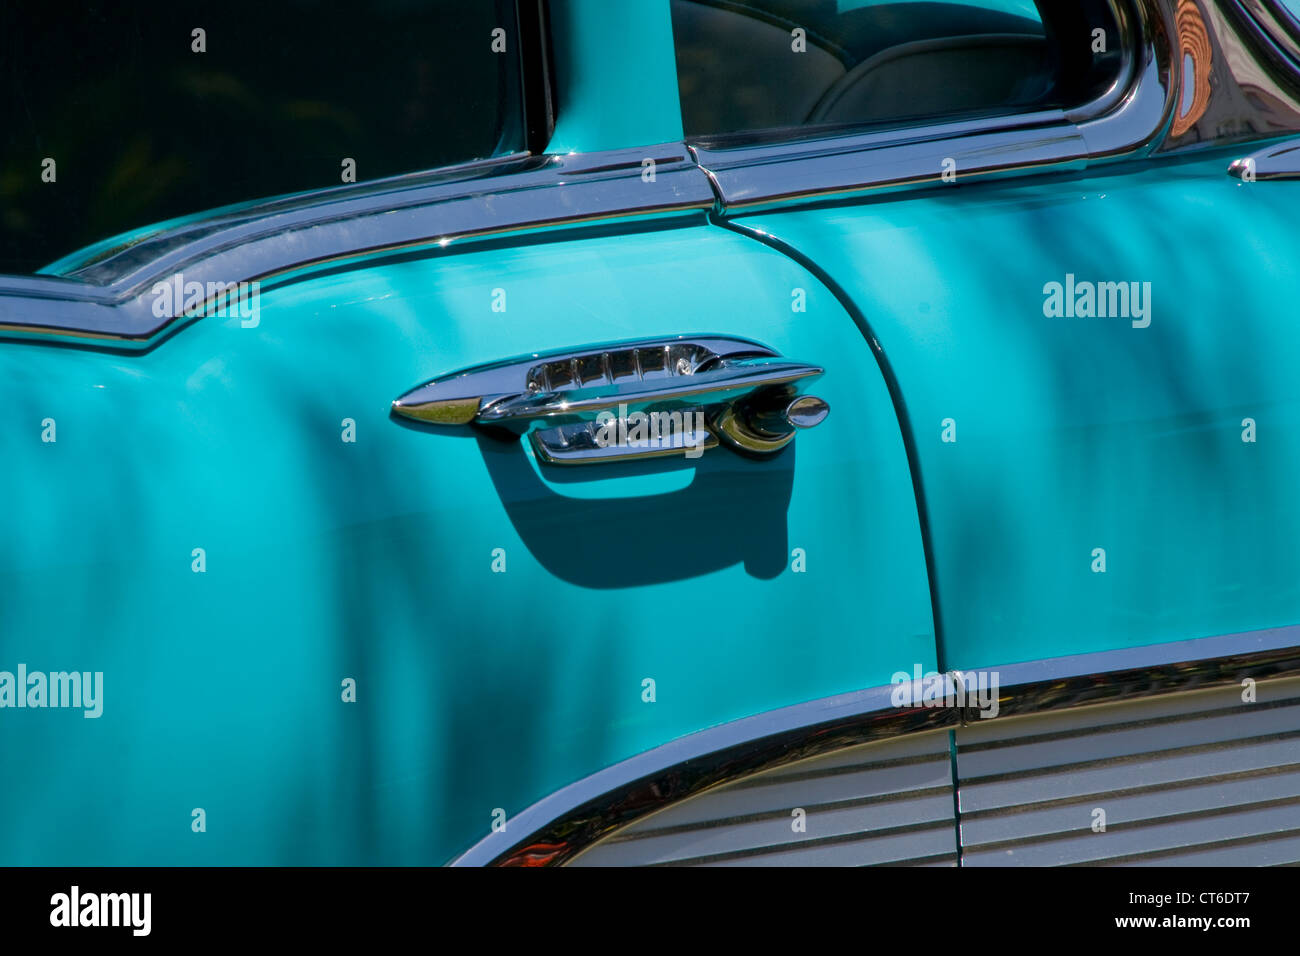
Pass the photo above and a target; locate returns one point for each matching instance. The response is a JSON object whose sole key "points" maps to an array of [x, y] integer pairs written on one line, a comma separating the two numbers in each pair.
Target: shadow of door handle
{"points": [[627, 400]]}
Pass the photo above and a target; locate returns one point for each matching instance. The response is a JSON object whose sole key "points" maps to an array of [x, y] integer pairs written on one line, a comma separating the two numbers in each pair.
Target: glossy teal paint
{"points": [[373, 560], [1081, 433], [616, 75]]}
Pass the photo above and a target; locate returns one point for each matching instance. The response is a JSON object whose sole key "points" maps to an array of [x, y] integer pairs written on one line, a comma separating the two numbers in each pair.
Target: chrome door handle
{"points": [[631, 399]]}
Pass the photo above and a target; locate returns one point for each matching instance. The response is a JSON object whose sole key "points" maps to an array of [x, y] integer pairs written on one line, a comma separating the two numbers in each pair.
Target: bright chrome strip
{"points": [[424, 211], [1134, 115], [1128, 118], [1279, 161], [559, 826], [1280, 26], [112, 300], [758, 177], [1251, 91], [1250, 98]]}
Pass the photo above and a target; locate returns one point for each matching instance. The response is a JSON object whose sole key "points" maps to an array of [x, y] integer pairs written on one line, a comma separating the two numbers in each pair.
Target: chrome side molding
{"points": [[105, 293], [563, 824], [628, 400], [1279, 161], [101, 296]]}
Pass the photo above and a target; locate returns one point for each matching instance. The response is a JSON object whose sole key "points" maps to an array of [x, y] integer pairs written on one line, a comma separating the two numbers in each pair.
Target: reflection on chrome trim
{"points": [[756, 177], [563, 824], [1279, 161], [1278, 24], [1128, 117], [109, 298], [1140, 110], [1245, 85], [1239, 92]]}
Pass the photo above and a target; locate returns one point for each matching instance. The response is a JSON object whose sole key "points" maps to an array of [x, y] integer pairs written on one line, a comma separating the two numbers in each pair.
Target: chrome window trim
{"points": [[93, 302], [269, 240], [766, 177], [1277, 25], [1134, 117], [105, 302], [1128, 118], [561, 825]]}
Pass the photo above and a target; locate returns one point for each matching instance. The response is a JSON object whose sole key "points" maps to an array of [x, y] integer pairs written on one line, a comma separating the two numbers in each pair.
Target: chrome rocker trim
{"points": [[563, 824]]}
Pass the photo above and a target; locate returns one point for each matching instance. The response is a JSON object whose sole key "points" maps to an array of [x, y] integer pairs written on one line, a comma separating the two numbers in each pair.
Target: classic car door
{"points": [[322, 632], [1083, 294]]}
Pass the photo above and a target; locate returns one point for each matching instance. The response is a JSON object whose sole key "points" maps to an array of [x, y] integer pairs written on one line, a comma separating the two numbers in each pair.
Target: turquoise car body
{"points": [[499, 618]]}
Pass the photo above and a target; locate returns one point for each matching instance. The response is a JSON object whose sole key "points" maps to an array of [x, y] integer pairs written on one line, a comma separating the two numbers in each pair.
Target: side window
{"points": [[747, 66], [117, 116]]}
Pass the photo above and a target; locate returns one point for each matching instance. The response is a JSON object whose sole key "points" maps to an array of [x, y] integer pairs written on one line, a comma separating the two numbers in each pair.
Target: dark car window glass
{"points": [[111, 119], [771, 65]]}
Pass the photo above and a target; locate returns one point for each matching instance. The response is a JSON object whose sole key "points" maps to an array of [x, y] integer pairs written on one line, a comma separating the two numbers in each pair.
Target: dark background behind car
{"points": [[144, 129]]}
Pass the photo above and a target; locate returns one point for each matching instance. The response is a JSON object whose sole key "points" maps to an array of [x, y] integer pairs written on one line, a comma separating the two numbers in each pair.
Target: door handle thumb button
{"points": [[768, 420]]}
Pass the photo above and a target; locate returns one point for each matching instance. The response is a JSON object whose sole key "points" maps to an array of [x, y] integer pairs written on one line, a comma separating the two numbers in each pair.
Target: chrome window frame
{"points": [[1133, 117], [423, 213], [1277, 25], [1128, 118], [103, 301], [347, 225]]}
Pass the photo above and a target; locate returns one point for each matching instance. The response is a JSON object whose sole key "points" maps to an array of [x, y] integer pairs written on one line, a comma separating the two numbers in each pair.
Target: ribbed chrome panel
{"points": [[884, 802], [1191, 778]]}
